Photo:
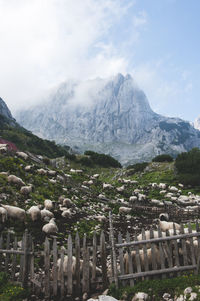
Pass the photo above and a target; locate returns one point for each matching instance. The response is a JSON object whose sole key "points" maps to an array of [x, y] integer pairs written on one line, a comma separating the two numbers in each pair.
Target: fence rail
{"points": [[72, 270], [82, 265], [151, 257], [178, 214]]}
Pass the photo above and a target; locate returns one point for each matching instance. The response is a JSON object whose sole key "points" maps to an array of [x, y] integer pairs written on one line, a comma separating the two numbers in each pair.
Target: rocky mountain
{"points": [[197, 123], [17, 136], [110, 116], [5, 113]]}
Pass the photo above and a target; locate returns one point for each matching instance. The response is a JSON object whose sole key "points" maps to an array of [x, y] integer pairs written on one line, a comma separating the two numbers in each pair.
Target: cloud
{"points": [[166, 95], [46, 42], [140, 19]]}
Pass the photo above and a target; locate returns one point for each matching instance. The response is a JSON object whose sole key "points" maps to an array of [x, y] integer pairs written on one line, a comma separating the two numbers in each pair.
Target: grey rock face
{"points": [[111, 116], [4, 109]]}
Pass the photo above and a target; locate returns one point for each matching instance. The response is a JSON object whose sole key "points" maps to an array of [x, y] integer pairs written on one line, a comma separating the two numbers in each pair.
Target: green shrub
{"points": [[86, 161], [188, 167], [10, 291], [138, 167], [102, 159], [26, 141], [163, 158]]}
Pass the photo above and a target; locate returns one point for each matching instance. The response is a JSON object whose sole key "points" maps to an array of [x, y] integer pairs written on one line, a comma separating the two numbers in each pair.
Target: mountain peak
{"points": [[121, 78], [111, 116], [4, 110]]}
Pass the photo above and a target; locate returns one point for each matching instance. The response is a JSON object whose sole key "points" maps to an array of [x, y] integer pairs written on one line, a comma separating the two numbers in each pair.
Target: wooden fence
{"points": [[82, 265], [55, 270], [18, 262], [169, 255], [178, 214]]}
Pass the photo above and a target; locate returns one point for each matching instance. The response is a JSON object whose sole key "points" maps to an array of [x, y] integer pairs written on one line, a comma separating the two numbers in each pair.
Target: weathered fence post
{"points": [[47, 268], [62, 282], [26, 262], [161, 250], [21, 259], [7, 248], [121, 257], [1, 247], [130, 261], [55, 269], [32, 275], [69, 266], [86, 267], [192, 248], [77, 269], [114, 257], [14, 260], [184, 247], [103, 260], [198, 247], [94, 256], [144, 248]]}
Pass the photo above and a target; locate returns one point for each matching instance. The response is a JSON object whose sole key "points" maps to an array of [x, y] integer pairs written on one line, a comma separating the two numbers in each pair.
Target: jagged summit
{"points": [[4, 110], [108, 115]]}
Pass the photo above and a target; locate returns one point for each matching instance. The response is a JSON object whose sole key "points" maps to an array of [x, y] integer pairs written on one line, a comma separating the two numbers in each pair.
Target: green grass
{"points": [[155, 194], [10, 291], [157, 173], [156, 288]]}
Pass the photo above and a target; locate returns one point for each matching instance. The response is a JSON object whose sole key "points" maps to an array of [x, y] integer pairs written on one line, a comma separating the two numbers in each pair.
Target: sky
{"points": [[46, 42]]}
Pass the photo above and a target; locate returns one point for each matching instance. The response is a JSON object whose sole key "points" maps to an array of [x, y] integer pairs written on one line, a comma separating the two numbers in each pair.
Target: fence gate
{"points": [[17, 262], [162, 255]]}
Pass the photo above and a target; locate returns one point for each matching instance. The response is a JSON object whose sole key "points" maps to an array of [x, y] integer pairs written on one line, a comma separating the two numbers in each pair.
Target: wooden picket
{"points": [[77, 268], [157, 256], [94, 258], [79, 259], [103, 260], [55, 268]]}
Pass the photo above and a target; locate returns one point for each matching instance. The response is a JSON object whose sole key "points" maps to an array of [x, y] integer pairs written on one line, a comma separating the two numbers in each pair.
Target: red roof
{"points": [[11, 146]]}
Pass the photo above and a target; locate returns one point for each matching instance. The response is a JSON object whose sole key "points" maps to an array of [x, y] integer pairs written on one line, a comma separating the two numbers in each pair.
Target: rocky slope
{"points": [[4, 110], [111, 116], [12, 132]]}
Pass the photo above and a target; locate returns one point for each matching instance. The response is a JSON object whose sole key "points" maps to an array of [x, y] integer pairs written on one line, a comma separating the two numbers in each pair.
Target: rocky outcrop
{"points": [[4, 110], [112, 116]]}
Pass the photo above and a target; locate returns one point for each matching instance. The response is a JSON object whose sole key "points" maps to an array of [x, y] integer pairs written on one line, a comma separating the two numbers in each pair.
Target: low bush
{"points": [[86, 161], [163, 158], [188, 167], [10, 291], [26, 141], [102, 159], [138, 167]]}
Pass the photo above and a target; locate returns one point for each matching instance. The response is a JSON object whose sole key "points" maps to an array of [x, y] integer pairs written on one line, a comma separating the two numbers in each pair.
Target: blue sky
{"points": [[45, 42], [171, 36]]}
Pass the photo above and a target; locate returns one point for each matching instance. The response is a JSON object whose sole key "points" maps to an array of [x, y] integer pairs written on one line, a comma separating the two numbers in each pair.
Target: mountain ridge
{"points": [[12, 133], [112, 116]]}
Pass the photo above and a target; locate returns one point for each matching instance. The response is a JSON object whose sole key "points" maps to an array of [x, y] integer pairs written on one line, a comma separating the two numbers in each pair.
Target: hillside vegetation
{"points": [[26, 141], [93, 191], [188, 167]]}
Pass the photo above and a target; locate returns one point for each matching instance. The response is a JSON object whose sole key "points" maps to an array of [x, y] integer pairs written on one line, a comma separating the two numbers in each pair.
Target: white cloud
{"points": [[44, 42], [140, 19], [166, 96]]}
